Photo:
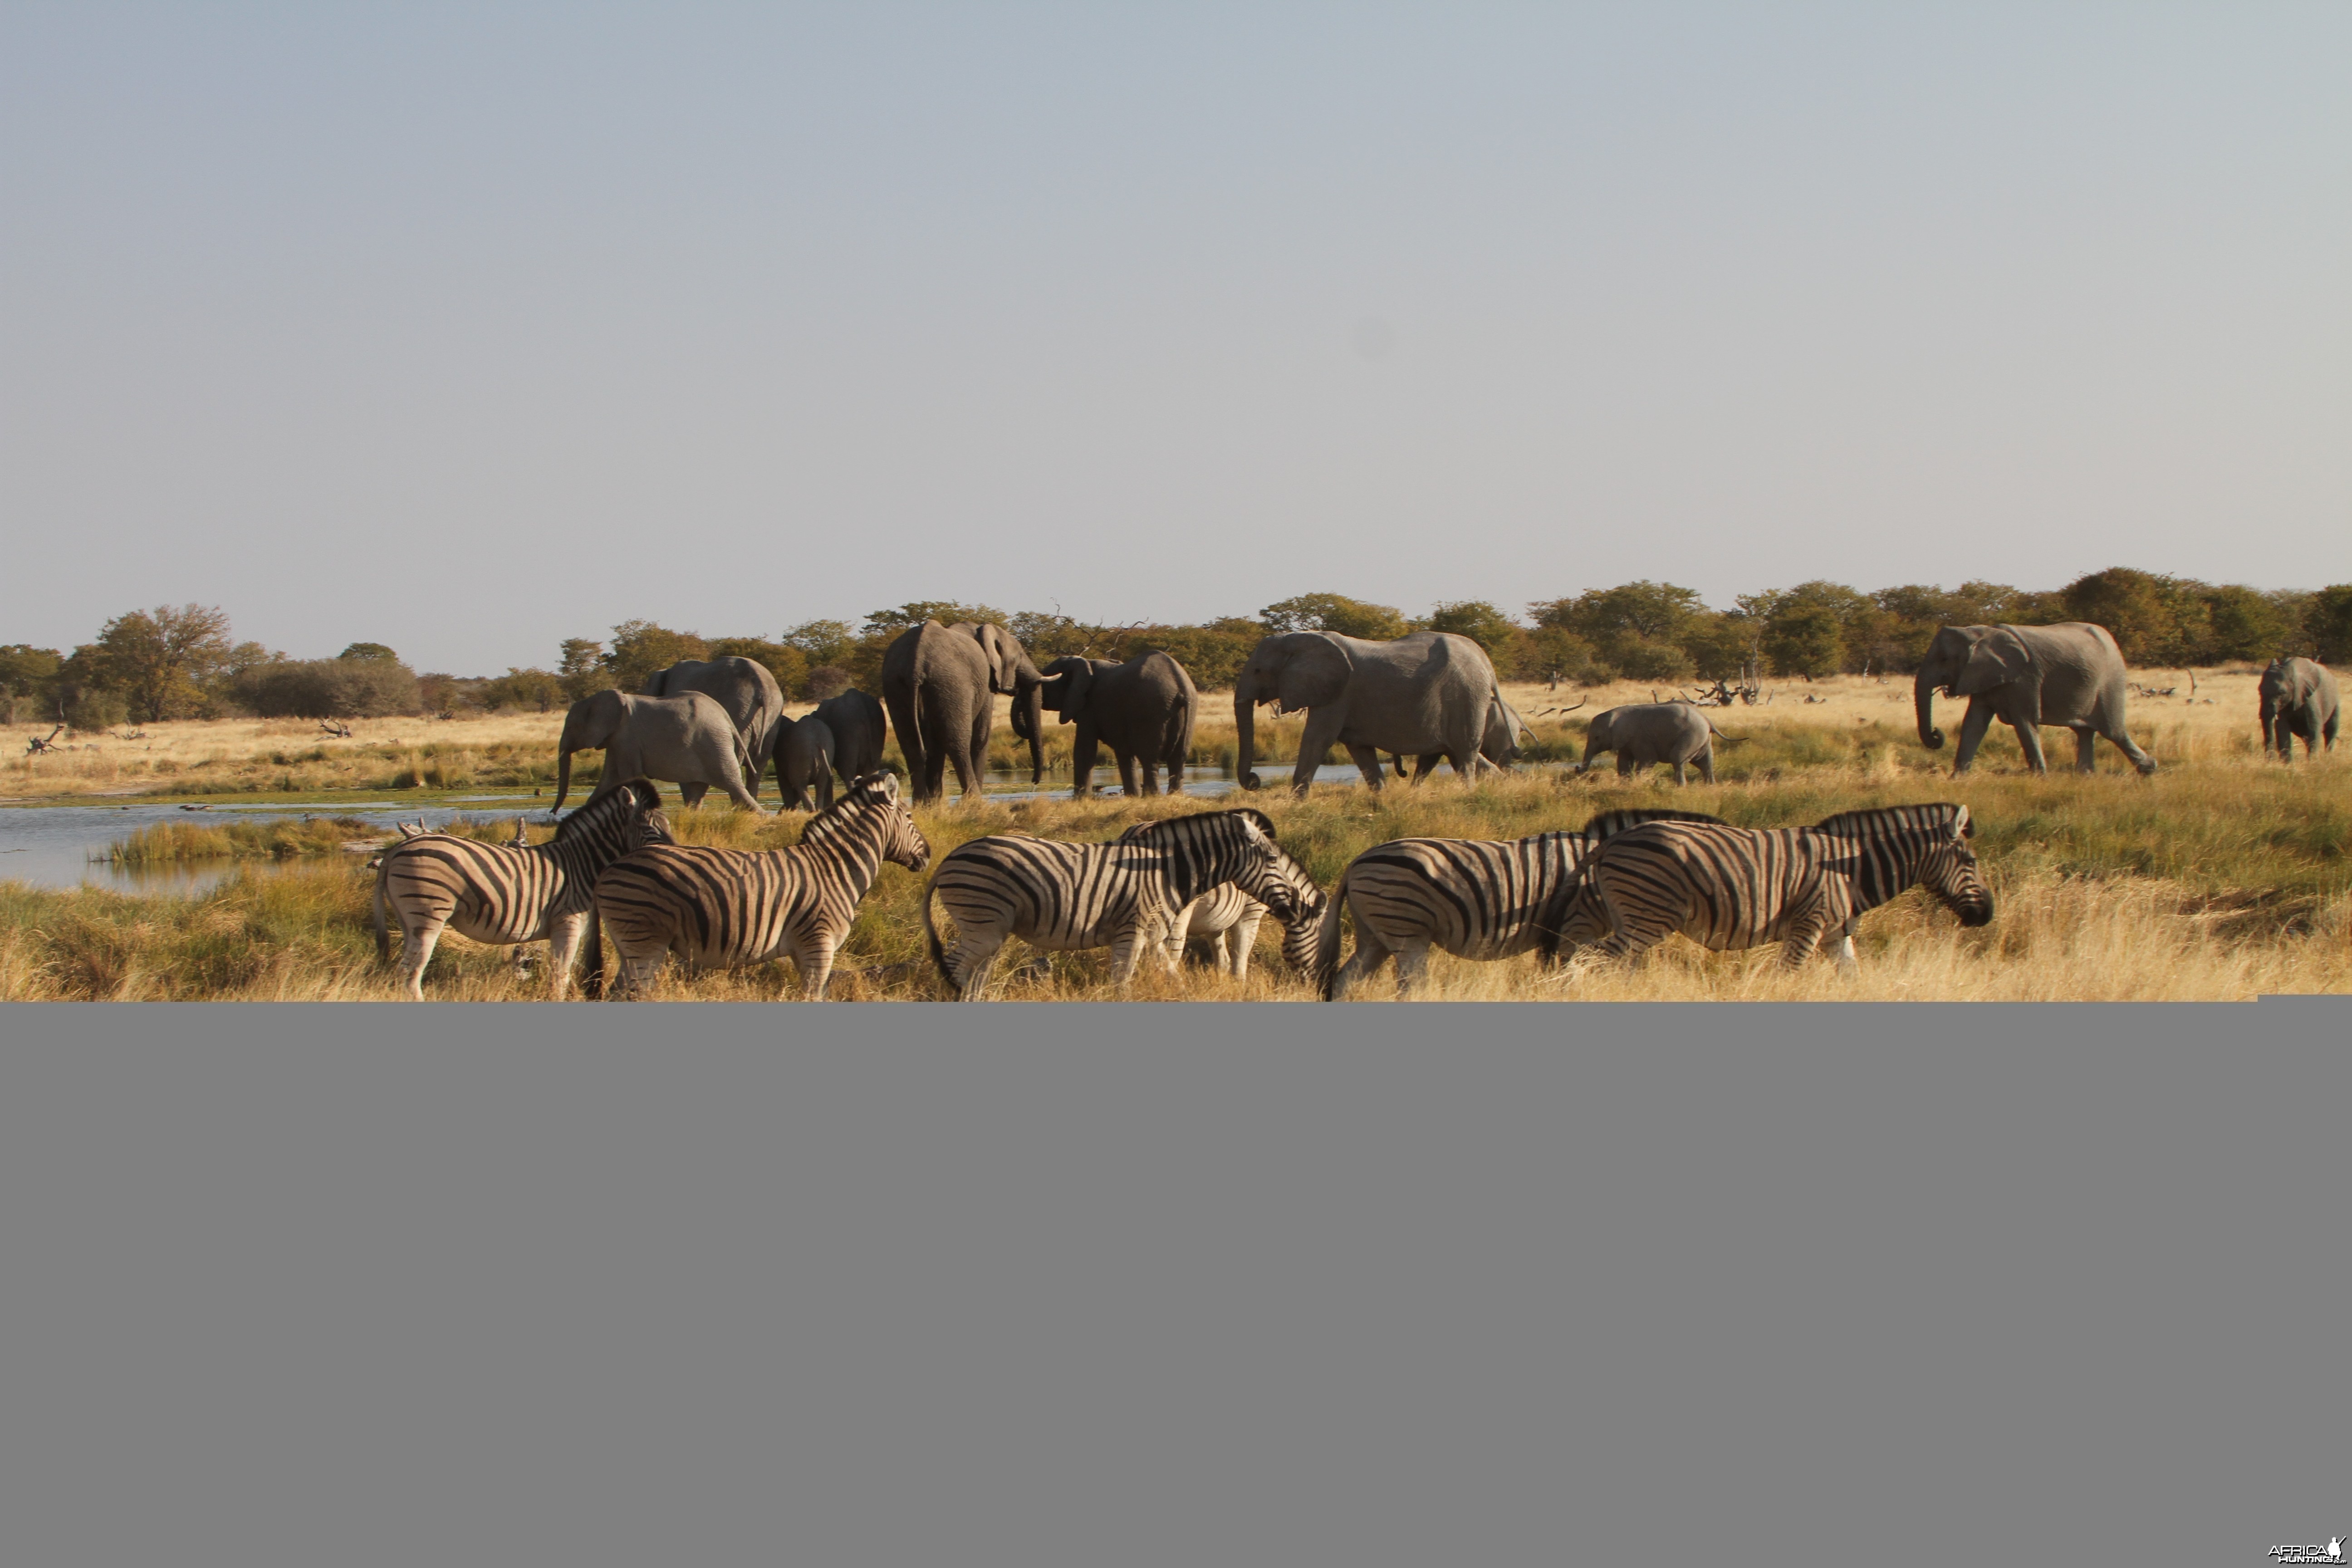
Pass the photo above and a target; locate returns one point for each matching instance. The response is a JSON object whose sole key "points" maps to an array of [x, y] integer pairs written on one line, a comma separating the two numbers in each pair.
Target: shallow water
{"points": [[66, 846]]}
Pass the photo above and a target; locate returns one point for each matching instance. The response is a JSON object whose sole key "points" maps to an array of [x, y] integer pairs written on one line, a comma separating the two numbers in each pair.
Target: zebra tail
{"points": [[592, 977], [931, 935], [383, 937], [1326, 939]]}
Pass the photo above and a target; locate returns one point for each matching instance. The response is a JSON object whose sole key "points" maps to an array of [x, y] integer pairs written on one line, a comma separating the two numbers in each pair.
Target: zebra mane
{"points": [[1265, 822], [1609, 824], [1879, 818], [636, 794], [867, 790]]}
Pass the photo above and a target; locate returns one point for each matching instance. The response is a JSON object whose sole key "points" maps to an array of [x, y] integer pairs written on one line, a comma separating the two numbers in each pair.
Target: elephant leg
{"points": [[1411, 966], [1681, 771], [1972, 735], [2085, 760], [1706, 762], [1367, 762], [1624, 765], [1148, 765], [1127, 773], [2329, 730], [690, 794], [563, 937], [1322, 730], [2123, 742], [2029, 740], [741, 796]]}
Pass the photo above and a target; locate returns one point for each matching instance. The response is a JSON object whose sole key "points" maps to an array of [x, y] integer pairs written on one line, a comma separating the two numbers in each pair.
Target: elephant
{"points": [[1428, 693], [687, 741], [938, 683], [805, 759], [2298, 698], [2070, 674], [747, 691], [1644, 734], [855, 721], [1143, 709], [1505, 730]]}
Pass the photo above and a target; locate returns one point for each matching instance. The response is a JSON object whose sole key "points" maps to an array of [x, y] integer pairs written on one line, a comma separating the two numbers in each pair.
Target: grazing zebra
{"points": [[1126, 895], [1224, 911], [715, 908], [503, 894], [1474, 897], [1728, 887]]}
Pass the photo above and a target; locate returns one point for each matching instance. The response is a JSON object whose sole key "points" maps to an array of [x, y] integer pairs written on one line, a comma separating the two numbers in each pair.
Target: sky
{"points": [[469, 328]]}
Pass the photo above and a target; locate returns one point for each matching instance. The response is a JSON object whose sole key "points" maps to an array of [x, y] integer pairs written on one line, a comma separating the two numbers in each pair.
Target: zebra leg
{"points": [[1244, 937], [416, 952], [1365, 961], [1846, 962], [815, 961], [564, 934], [1412, 966], [971, 959], [1220, 955]]}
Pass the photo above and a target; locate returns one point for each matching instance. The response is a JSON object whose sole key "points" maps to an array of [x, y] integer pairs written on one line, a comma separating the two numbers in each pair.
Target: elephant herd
{"points": [[721, 724]]}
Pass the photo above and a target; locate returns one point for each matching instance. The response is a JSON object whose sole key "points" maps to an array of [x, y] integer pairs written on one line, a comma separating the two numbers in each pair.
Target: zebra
{"points": [[1226, 912], [503, 894], [716, 908], [1474, 897], [1126, 895], [1731, 888]]}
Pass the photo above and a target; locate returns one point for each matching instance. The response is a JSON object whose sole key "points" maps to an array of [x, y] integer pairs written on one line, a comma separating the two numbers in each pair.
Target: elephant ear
{"points": [[1998, 658], [1315, 675], [601, 717], [1081, 678]]}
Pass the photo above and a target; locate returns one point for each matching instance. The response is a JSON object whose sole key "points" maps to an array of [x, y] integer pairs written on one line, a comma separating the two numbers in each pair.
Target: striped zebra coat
{"points": [[1126, 895], [1227, 920], [1733, 888], [720, 907], [505, 894], [1474, 897]]}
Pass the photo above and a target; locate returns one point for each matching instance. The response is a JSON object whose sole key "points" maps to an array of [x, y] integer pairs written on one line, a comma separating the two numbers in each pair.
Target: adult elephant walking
{"points": [[1428, 693], [2298, 698], [1144, 708], [2071, 673], [940, 683], [747, 691], [686, 741]]}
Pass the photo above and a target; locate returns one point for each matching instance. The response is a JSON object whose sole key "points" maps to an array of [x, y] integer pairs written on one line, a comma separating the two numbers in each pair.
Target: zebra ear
{"points": [[1968, 829], [1265, 822]]}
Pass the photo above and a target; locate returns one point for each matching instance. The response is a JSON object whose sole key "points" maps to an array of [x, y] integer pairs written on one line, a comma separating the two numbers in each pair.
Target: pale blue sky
{"points": [[468, 328]]}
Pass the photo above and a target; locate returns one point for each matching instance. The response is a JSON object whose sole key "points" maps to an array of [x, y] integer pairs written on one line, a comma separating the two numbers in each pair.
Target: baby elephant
{"points": [[804, 755], [1643, 734], [2298, 698]]}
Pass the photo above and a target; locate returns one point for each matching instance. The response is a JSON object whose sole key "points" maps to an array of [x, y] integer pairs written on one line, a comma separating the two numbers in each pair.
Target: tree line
{"points": [[181, 662]]}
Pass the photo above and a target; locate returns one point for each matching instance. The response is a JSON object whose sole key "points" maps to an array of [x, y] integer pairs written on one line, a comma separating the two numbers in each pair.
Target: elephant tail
{"points": [[1326, 972], [1727, 740], [931, 936], [1177, 743]]}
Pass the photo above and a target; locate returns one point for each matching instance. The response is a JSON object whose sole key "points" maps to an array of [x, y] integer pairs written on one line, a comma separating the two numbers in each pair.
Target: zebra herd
{"points": [[1618, 886]]}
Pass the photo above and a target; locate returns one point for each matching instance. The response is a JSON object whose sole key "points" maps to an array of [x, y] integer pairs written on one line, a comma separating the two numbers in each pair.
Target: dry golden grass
{"points": [[2224, 877]]}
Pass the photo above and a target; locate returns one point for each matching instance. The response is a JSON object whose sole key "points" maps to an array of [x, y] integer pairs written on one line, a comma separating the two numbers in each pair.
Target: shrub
{"points": [[331, 688]]}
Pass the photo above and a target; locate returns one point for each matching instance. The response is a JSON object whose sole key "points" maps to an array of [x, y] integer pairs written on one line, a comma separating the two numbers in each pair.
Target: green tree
{"points": [[2329, 626], [915, 612], [1212, 653], [1656, 610], [2132, 606], [1335, 613], [537, 689], [1804, 640], [821, 642], [155, 658], [28, 679], [2243, 623], [582, 669], [639, 648], [1722, 645], [374, 650], [1479, 621]]}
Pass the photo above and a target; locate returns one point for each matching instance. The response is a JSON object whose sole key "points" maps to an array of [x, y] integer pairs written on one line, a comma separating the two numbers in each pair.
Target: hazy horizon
{"points": [[468, 330]]}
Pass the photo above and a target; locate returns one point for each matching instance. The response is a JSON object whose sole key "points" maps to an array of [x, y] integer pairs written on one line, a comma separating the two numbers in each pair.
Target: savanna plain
{"points": [[2224, 877]]}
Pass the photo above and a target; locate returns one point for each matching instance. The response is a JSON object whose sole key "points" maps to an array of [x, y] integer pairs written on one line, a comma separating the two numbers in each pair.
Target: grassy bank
{"points": [[2222, 877]]}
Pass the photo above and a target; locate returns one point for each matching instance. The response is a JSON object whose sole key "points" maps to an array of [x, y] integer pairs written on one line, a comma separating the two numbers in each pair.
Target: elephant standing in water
{"points": [[2071, 673], [2298, 698], [1143, 708], [1431, 693], [939, 684], [687, 741], [1644, 734], [747, 691]]}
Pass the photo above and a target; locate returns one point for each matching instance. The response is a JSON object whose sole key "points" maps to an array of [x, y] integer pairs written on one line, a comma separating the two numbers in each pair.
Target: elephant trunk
{"points": [[1029, 708], [1923, 699], [1246, 721], [563, 779]]}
